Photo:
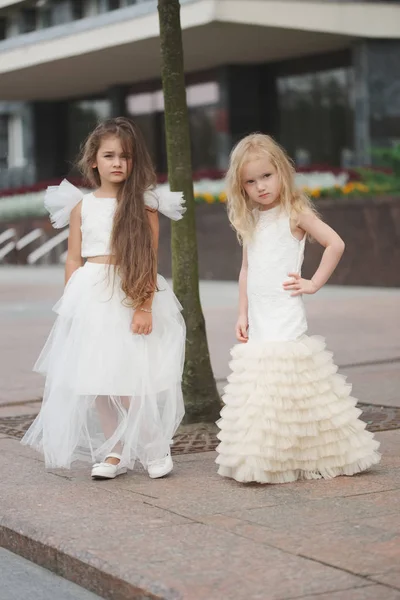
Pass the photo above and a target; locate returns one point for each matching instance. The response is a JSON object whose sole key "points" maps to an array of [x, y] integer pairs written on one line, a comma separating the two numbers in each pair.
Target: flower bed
{"points": [[28, 204], [316, 185]]}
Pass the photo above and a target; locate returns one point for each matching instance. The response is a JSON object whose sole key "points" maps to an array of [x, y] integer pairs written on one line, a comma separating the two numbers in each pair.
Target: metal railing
{"points": [[49, 245], [50, 250]]}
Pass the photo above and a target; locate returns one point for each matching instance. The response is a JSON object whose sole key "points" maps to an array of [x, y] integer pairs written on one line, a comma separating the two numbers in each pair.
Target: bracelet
{"points": [[147, 310]]}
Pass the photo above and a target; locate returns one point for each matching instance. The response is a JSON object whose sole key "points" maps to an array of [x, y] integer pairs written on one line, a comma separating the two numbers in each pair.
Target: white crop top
{"points": [[96, 226], [98, 213]]}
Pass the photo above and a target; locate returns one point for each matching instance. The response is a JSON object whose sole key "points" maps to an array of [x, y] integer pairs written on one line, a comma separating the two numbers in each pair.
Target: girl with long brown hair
{"points": [[114, 358]]}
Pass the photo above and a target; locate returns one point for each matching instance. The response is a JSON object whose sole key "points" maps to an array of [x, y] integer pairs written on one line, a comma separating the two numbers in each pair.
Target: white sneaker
{"points": [[106, 470], [160, 467]]}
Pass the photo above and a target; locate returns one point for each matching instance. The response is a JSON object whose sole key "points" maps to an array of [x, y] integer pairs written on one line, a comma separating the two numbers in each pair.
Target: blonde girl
{"points": [[288, 415]]}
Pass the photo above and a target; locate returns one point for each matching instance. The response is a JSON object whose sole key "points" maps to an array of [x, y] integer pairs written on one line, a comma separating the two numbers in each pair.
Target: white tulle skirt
{"points": [[107, 389], [288, 415]]}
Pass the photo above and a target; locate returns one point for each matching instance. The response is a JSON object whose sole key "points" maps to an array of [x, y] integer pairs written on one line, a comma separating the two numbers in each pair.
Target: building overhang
{"points": [[10, 3], [88, 56]]}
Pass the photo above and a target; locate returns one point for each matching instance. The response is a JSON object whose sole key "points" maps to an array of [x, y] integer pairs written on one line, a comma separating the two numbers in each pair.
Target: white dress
{"points": [[288, 415], [107, 389]]}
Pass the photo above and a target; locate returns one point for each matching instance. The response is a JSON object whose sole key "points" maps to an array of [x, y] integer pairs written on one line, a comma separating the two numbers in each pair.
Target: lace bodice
{"points": [[273, 253], [96, 227]]}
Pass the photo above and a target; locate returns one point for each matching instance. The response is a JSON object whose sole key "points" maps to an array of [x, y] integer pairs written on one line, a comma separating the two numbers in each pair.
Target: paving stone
{"points": [[195, 535], [342, 544], [391, 578], [372, 592], [320, 512]]}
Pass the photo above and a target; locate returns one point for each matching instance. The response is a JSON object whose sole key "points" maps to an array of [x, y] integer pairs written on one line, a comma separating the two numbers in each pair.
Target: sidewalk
{"points": [[194, 535]]}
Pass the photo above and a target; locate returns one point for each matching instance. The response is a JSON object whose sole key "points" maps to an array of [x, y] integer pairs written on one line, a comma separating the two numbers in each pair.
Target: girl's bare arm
{"points": [[334, 248], [74, 259], [155, 230], [242, 324]]}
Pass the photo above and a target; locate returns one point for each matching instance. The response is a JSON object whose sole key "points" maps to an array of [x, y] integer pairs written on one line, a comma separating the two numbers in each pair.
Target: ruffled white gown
{"points": [[288, 415], [108, 390]]}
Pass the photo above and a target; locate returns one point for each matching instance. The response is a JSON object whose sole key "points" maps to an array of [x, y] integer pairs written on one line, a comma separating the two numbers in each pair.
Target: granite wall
{"points": [[369, 227]]}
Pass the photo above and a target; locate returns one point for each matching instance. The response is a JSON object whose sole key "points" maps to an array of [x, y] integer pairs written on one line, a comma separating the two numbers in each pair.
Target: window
{"points": [[202, 100], [27, 20], [77, 9], [316, 117], [144, 108], [3, 28], [61, 12], [202, 120], [106, 5], [384, 92], [83, 116], [147, 110], [44, 17]]}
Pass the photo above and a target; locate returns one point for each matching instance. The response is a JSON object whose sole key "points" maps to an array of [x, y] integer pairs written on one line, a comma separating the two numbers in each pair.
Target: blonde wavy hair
{"points": [[241, 211]]}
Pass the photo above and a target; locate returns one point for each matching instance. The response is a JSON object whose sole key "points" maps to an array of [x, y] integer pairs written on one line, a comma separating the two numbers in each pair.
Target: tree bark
{"points": [[199, 388]]}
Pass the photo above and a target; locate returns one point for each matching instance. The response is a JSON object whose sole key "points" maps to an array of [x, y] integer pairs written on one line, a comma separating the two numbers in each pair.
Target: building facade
{"points": [[322, 76]]}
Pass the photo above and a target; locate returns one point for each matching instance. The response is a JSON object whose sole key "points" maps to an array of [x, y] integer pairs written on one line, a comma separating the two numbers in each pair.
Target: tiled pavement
{"points": [[195, 535]]}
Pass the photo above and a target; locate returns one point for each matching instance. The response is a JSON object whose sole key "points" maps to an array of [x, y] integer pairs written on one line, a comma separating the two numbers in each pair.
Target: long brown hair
{"points": [[131, 241]]}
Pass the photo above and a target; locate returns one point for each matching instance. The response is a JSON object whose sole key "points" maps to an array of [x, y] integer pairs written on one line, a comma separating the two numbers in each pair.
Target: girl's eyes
{"points": [[124, 156], [266, 175]]}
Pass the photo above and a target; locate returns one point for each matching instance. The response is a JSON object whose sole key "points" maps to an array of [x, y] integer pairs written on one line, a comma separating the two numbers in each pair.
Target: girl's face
{"points": [[260, 181], [112, 163]]}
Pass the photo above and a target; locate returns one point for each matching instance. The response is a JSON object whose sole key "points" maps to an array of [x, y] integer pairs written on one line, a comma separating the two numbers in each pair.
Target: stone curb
{"points": [[84, 569]]}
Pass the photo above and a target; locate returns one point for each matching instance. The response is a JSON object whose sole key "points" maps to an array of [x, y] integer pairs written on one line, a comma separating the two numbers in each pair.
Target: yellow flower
{"points": [[349, 187], [209, 198], [361, 187], [315, 193], [222, 197]]}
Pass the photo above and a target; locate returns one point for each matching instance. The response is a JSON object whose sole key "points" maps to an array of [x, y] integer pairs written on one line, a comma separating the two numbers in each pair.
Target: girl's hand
{"points": [[241, 329], [299, 286], [142, 322]]}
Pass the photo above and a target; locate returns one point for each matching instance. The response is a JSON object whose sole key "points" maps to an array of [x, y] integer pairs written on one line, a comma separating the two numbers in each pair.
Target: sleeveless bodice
{"points": [[96, 227], [273, 253]]}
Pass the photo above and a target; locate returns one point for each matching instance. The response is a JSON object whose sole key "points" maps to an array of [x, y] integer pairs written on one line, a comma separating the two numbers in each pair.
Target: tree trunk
{"points": [[199, 388]]}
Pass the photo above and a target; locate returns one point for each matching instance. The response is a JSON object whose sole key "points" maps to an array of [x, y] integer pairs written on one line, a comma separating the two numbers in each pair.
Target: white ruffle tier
{"points": [[108, 390], [288, 415]]}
